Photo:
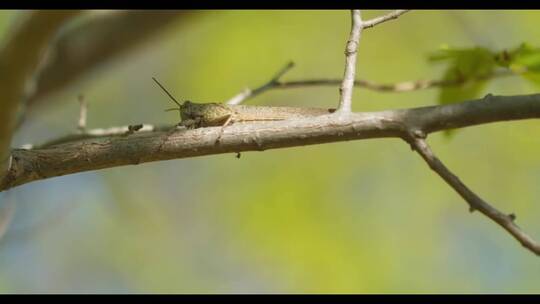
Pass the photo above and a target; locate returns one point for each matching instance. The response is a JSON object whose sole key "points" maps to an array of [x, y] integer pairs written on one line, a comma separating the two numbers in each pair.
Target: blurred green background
{"points": [[352, 217]]}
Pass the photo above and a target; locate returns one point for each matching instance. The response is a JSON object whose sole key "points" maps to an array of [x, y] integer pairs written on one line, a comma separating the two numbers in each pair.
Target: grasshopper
{"points": [[197, 115]]}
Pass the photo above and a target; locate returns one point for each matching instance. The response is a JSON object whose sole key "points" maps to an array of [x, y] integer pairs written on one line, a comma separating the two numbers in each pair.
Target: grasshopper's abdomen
{"points": [[258, 113]]}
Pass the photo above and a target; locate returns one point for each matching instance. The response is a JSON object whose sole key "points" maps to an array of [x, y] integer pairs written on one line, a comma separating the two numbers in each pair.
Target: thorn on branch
{"points": [[512, 217], [419, 134], [133, 128], [488, 97]]}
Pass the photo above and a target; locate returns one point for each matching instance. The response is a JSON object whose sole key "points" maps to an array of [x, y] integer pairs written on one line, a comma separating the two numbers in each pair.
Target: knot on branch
{"points": [[352, 47], [133, 128], [417, 133]]}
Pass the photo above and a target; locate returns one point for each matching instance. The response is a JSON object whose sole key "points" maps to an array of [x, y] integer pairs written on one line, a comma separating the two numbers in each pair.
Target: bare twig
{"points": [[20, 55], [506, 221], [83, 109], [247, 93], [392, 15], [351, 50], [398, 87], [99, 133]]}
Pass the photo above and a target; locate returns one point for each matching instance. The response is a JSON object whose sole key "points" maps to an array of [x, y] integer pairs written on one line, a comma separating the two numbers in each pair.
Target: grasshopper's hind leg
{"points": [[227, 122]]}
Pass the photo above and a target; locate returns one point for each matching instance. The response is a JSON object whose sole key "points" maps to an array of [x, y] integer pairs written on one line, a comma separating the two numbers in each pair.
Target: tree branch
{"points": [[346, 89], [19, 57], [475, 202], [116, 147], [390, 16]]}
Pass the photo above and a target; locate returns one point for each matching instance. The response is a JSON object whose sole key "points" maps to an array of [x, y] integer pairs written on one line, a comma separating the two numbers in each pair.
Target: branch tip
{"points": [[272, 83], [474, 201]]}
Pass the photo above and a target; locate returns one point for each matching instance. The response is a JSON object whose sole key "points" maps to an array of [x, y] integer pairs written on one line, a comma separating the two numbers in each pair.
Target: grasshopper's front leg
{"points": [[191, 123]]}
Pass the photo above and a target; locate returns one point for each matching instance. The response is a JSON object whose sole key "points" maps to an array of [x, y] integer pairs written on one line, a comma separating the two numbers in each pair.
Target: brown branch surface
{"points": [[106, 150], [475, 202]]}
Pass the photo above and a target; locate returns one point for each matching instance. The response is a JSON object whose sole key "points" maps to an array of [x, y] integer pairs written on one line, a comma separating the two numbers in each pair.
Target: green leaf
{"points": [[523, 60], [465, 66], [470, 69]]}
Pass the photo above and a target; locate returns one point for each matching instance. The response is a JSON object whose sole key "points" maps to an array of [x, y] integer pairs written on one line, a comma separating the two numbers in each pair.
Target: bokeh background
{"points": [[352, 217]]}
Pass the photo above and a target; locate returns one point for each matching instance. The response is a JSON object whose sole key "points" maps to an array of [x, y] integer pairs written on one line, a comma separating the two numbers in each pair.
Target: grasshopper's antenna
{"points": [[169, 94]]}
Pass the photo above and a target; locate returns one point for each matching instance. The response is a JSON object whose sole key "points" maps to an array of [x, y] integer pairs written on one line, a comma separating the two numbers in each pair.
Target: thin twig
{"points": [[506, 221], [392, 15], [346, 89], [247, 93], [83, 109], [398, 87], [98, 133]]}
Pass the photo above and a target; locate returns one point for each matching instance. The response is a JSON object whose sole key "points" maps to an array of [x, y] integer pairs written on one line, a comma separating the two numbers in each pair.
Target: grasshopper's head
{"points": [[188, 110]]}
